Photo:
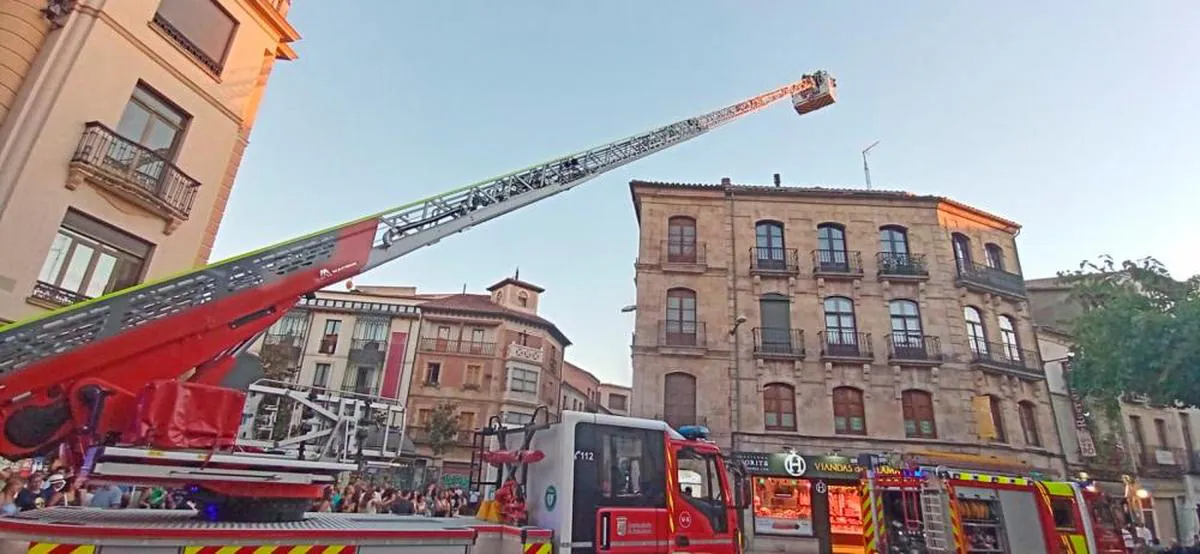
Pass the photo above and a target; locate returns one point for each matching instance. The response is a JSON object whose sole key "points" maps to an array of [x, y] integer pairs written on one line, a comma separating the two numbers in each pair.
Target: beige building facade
{"points": [[838, 321], [122, 125]]}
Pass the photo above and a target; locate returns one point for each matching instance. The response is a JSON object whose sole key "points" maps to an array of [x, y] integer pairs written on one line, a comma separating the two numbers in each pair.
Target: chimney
{"points": [[778, 181], [725, 181]]}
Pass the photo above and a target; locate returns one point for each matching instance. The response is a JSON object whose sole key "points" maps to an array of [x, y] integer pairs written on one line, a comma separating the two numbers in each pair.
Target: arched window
{"points": [[849, 414], [1008, 338], [681, 328], [769, 249], [679, 399], [995, 256], [841, 333], [996, 407], [681, 240], [976, 334], [917, 406], [906, 324], [1029, 423], [523, 299], [962, 250], [775, 335], [831, 248], [893, 239], [779, 407]]}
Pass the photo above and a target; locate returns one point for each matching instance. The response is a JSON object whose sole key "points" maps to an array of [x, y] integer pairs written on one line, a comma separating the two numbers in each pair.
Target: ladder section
{"points": [[933, 511]]}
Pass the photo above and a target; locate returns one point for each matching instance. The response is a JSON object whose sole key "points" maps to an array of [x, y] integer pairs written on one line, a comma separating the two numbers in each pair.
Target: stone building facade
{"points": [[122, 126], [844, 321]]}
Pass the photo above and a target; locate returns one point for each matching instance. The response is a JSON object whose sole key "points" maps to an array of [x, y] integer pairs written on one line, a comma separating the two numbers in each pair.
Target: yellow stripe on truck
{"points": [[55, 548]]}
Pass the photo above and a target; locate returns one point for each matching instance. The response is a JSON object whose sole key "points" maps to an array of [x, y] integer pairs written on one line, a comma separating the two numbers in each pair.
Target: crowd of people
{"points": [[432, 500]]}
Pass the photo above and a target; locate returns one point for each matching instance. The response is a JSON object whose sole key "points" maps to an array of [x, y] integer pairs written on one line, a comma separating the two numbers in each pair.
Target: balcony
{"points": [[837, 264], [286, 346], [466, 347], [774, 262], [682, 336], [846, 346], [683, 257], [1006, 358], [362, 381], [134, 173], [895, 266], [1109, 463], [367, 352], [989, 279], [914, 349], [527, 354], [51, 297], [1162, 462], [772, 343], [421, 435]]}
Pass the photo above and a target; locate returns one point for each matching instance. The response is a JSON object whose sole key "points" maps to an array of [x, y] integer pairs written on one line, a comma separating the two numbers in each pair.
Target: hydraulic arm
{"points": [[75, 373]]}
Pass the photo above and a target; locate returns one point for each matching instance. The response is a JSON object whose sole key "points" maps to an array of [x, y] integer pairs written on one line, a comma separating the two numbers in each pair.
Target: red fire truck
{"points": [[145, 385]]}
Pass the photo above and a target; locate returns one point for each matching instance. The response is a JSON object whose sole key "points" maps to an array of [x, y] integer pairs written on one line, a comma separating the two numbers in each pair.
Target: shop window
{"points": [[779, 407], [849, 415], [845, 513], [917, 406], [782, 507], [1063, 510], [700, 486]]}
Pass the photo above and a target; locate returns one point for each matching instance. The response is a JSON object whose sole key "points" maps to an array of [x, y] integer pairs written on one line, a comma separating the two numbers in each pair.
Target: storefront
{"points": [[813, 499]]}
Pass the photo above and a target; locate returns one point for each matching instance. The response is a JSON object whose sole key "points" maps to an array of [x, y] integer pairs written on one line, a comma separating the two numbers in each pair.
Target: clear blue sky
{"points": [[1081, 124]]}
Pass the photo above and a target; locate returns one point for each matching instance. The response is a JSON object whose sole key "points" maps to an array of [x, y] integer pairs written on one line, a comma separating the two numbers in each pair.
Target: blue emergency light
{"points": [[694, 432]]}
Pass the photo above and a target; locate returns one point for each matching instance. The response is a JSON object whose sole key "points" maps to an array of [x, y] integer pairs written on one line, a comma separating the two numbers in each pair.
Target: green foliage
{"points": [[1139, 333], [443, 429]]}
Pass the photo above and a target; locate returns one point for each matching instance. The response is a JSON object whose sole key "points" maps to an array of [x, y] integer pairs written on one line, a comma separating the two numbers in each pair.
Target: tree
{"points": [[277, 366], [1138, 333], [443, 430]]}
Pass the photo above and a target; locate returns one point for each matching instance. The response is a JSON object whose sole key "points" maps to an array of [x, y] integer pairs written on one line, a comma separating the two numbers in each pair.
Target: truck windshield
{"points": [[701, 486]]}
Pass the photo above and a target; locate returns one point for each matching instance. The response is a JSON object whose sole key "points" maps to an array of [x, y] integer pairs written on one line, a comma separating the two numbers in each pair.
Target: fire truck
{"points": [[146, 385]]}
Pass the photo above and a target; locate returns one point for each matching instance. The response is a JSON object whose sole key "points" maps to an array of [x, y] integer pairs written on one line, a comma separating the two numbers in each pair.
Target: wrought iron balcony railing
{"points": [[897, 265], [55, 295], [776, 342], [914, 348], [136, 172], [990, 279], [845, 344], [473, 348], [774, 261], [681, 334], [675, 252], [1005, 357], [368, 351], [187, 45], [837, 262], [1162, 461]]}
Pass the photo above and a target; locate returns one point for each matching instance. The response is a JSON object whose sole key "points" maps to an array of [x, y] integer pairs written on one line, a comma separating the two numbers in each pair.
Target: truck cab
{"points": [[619, 484]]}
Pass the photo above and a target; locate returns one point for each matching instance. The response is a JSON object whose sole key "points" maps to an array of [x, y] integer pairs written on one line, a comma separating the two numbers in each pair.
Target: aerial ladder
{"points": [[80, 378]]}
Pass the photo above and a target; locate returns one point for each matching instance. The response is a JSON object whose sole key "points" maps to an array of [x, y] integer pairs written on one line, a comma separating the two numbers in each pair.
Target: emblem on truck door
{"points": [[550, 498], [685, 520]]}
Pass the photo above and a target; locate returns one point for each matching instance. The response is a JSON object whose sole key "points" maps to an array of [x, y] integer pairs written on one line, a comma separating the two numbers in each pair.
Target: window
{"points": [[321, 375], [523, 299], [1160, 432], [831, 247], [962, 250], [153, 122], [442, 343], [474, 376], [1063, 511], [1029, 423], [201, 27], [976, 334], [769, 246], [849, 415], [779, 407], [466, 420], [361, 380], [618, 402], [293, 324], [564, 402], [841, 335], [1139, 434], [517, 418], [433, 373], [917, 406], [997, 410], [371, 330], [1008, 337], [477, 336], [522, 380], [893, 240], [89, 259], [681, 240], [775, 316], [681, 326], [679, 399], [424, 416], [995, 256], [329, 339], [906, 324]]}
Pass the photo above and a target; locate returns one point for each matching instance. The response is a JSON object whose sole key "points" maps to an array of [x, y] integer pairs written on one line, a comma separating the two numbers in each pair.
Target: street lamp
{"points": [[628, 309]]}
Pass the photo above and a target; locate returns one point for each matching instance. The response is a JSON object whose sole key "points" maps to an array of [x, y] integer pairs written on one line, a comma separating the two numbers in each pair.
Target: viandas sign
{"points": [[788, 464]]}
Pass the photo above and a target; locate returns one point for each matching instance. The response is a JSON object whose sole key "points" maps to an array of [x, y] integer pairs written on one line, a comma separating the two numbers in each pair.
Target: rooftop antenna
{"points": [[464, 288], [866, 167], [517, 274]]}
